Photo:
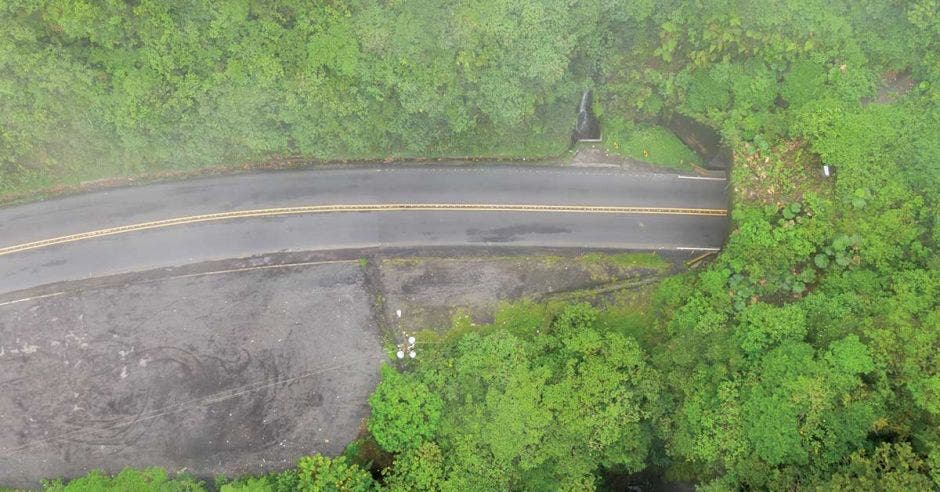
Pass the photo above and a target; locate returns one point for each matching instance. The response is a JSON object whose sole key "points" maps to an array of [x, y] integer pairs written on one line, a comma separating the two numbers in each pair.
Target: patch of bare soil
{"points": [[241, 366], [893, 86], [594, 155], [426, 293], [783, 176], [214, 373]]}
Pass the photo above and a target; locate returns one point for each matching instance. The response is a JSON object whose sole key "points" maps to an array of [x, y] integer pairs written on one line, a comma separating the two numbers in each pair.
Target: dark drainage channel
{"points": [[703, 140]]}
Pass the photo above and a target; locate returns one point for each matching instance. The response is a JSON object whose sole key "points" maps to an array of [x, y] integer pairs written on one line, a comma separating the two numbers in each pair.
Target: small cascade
{"points": [[588, 129]]}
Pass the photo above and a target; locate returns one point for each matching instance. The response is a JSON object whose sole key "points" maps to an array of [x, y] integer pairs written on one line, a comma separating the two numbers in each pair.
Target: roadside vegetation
{"points": [[805, 356], [92, 90], [651, 143]]}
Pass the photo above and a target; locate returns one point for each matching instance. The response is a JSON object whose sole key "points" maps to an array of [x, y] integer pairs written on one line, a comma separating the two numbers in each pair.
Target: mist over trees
{"points": [[97, 89], [804, 357]]}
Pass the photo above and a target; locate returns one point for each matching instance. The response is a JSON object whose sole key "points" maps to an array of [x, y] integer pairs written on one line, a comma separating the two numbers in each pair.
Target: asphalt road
{"points": [[194, 242]]}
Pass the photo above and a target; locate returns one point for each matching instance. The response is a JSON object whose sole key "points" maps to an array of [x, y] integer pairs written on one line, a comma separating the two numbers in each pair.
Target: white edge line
{"points": [[684, 248], [200, 274], [249, 269], [7, 303], [704, 178]]}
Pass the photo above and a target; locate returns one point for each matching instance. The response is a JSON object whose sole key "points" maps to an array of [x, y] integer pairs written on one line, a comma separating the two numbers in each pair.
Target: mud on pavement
{"points": [[213, 374]]}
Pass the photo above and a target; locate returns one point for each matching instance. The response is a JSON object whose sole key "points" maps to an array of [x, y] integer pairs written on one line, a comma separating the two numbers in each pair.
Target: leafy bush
{"points": [[804, 82], [508, 419], [404, 412], [155, 479], [315, 473]]}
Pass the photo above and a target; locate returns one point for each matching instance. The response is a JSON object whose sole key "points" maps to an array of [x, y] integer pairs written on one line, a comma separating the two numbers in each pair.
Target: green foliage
{"points": [[890, 467], [404, 412], [155, 479], [804, 82], [810, 410], [315, 473], [626, 261], [824, 352], [926, 393], [509, 419], [418, 469], [318, 473], [707, 92], [762, 326], [156, 86], [653, 144], [791, 211], [804, 356], [521, 317]]}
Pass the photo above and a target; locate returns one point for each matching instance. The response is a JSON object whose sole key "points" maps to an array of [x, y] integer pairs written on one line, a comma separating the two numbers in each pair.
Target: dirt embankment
{"points": [[242, 366]]}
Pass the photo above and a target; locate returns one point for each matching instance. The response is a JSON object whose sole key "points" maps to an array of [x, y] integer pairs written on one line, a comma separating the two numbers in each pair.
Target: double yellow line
{"points": [[390, 207]]}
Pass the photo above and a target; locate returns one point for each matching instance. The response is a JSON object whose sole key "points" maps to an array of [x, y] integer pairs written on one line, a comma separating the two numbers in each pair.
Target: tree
{"points": [[320, 474], [404, 412], [547, 405], [315, 473], [419, 469], [762, 326], [890, 467]]}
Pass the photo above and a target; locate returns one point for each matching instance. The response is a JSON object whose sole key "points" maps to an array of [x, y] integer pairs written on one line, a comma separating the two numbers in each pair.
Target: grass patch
{"points": [[652, 144], [626, 261], [630, 312], [781, 176]]}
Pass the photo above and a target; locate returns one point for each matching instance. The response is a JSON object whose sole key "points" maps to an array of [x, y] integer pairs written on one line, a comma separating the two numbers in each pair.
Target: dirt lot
{"points": [[429, 291], [225, 373], [240, 366]]}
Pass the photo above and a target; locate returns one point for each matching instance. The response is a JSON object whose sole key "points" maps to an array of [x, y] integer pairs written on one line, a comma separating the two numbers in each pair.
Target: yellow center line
{"points": [[389, 207]]}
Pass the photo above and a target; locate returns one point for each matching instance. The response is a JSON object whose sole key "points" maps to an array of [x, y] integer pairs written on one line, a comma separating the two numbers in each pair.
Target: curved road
{"points": [[154, 226]]}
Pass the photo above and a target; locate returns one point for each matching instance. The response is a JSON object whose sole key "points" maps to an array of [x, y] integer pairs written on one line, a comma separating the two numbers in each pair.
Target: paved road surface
{"points": [[190, 242]]}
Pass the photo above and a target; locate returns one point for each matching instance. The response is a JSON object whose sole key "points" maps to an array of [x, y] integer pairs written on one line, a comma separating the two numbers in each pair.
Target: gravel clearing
{"points": [[225, 373], [243, 365]]}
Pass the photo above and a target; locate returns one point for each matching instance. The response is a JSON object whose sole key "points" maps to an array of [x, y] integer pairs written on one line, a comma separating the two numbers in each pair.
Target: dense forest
{"points": [[805, 356]]}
